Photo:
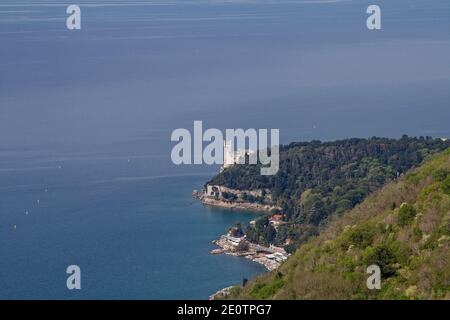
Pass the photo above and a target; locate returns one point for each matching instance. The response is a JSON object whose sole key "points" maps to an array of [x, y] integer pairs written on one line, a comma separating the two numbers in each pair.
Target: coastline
{"points": [[217, 200], [270, 257], [237, 205], [222, 293]]}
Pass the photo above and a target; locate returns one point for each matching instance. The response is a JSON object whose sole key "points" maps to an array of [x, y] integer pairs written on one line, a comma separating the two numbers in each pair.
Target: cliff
{"points": [[221, 196]]}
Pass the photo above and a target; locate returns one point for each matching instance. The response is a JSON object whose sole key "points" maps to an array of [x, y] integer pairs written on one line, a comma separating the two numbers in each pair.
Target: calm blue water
{"points": [[133, 234], [86, 118]]}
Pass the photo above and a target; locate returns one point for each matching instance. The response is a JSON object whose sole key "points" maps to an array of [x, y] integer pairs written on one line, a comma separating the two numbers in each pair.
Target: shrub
{"points": [[229, 196], [361, 236], [383, 257], [343, 205], [406, 214], [413, 178], [446, 186], [265, 291], [440, 175], [417, 233]]}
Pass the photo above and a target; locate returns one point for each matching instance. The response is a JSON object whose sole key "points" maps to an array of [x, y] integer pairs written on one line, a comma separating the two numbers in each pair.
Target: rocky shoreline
{"points": [[222, 293], [237, 205], [218, 200], [270, 257]]}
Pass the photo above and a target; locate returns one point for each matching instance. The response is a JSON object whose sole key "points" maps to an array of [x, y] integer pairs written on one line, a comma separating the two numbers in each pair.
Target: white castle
{"points": [[230, 157]]}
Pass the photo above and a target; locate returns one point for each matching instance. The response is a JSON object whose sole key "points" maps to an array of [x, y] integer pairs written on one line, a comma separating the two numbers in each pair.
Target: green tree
{"points": [[406, 214]]}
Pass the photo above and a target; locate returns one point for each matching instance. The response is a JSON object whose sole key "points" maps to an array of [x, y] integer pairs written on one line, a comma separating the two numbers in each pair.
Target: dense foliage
{"points": [[409, 241], [319, 179]]}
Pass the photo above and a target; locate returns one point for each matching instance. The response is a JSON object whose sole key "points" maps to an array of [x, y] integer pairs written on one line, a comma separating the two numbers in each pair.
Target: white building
{"points": [[230, 157]]}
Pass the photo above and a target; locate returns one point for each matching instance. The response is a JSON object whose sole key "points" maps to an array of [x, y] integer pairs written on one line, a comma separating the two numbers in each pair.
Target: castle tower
{"points": [[228, 154]]}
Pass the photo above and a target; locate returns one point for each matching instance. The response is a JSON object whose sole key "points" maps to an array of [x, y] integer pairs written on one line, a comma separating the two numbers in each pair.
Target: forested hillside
{"points": [[404, 228], [318, 180]]}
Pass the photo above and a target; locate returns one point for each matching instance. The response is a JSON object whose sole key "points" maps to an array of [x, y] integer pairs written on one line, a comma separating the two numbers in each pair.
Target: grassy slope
{"points": [[404, 228]]}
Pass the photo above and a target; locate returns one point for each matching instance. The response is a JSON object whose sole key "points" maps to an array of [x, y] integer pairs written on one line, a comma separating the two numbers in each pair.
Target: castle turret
{"points": [[228, 154]]}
